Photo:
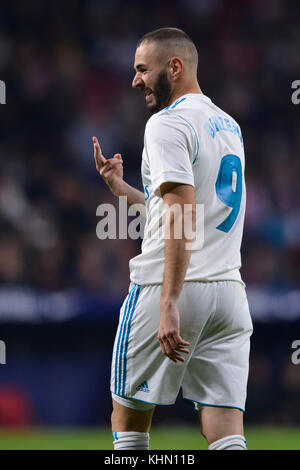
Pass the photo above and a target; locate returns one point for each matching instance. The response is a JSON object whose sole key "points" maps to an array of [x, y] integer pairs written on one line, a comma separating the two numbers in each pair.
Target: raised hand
{"points": [[110, 169]]}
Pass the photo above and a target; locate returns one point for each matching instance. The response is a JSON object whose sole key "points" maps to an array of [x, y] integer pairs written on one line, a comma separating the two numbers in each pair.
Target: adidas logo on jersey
{"points": [[143, 387]]}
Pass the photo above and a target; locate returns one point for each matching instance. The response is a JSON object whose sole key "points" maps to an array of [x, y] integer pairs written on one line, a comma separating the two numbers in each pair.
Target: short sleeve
{"points": [[169, 146]]}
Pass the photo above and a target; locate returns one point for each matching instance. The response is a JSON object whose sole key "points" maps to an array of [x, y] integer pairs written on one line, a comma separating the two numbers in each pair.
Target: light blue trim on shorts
{"points": [[123, 338], [144, 401], [137, 292], [217, 406], [128, 302]]}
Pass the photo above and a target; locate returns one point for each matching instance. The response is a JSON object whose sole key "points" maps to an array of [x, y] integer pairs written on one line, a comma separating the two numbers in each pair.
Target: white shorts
{"points": [[214, 318]]}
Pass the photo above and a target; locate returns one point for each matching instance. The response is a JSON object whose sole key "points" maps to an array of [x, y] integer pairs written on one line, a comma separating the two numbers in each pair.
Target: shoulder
{"points": [[167, 122]]}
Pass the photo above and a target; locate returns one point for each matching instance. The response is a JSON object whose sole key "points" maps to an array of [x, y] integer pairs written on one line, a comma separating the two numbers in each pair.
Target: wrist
{"points": [[119, 188], [168, 300]]}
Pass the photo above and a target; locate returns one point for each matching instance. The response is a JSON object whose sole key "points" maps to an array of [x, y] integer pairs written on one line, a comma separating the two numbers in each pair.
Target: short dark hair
{"points": [[175, 40], [165, 34]]}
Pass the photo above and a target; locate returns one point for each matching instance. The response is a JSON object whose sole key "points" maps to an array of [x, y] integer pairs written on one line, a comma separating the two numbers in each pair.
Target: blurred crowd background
{"points": [[68, 68]]}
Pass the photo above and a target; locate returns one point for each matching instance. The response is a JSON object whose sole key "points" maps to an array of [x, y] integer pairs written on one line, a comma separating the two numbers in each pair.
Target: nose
{"points": [[137, 81]]}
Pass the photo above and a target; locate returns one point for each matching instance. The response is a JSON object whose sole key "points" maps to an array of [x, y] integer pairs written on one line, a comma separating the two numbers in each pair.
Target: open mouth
{"points": [[148, 94]]}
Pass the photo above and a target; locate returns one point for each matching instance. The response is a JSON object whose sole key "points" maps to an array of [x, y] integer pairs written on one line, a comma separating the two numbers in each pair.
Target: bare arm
{"points": [[177, 256], [111, 171]]}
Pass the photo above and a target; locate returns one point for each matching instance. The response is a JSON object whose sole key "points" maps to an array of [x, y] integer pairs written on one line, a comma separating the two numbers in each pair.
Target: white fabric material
{"points": [[214, 318], [186, 143], [133, 404], [233, 442], [131, 441]]}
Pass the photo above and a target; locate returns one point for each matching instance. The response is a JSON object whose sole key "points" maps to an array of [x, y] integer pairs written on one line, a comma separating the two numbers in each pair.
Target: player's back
{"points": [[214, 147], [218, 168]]}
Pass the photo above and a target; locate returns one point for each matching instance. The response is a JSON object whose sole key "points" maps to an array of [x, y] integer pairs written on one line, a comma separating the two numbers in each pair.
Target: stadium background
{"points": [[68, 68]]}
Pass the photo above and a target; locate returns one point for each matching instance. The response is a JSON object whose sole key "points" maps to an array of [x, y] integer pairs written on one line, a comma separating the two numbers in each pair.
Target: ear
{"points": [[176, 67]]}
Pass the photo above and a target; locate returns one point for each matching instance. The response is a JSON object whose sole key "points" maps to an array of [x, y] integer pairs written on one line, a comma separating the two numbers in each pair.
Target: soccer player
{"points": [[185, 321]]}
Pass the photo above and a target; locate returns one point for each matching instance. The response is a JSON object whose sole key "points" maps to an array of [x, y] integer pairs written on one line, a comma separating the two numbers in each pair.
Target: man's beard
{"points": [[161, 92]]}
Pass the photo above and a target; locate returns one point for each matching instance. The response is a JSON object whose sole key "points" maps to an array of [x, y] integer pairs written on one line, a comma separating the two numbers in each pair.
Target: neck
{"points": [[184, 90]]}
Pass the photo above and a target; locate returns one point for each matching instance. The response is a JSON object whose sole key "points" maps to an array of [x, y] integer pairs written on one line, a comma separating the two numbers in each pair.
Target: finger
{"points": [[170, 344], [115, 162], [103, 171], [173, 344], [99, 157], [106, 174], [163, 345], [175, 357], [108, 171], [176, 353], [96, 142], [118, 156], [182, 350], [99, 160], [177, 343], [106, 166], [111, 164], [182, 342]]}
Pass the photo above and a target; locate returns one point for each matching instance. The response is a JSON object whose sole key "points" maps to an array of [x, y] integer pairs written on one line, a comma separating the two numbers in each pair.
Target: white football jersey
{"points": [[194, 142]]}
